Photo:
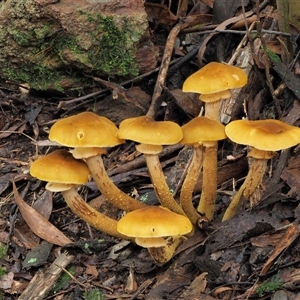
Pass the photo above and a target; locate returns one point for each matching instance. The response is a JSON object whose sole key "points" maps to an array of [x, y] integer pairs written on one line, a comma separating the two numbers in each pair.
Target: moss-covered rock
{"points": [[62, 45]]}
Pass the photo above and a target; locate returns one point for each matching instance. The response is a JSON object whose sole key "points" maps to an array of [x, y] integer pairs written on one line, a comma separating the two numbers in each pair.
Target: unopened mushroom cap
{"points": [[202, 129], [86, 129], [215, 77], [146, 130], [60, 167], [270, 135], [152, 222]]}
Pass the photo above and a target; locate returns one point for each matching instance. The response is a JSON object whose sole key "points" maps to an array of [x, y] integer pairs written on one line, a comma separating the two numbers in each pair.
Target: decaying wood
{"points": [[43, 281]]}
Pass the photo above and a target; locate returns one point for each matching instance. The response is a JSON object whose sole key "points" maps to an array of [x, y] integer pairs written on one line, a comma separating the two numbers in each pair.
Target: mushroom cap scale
{"points": [[60, 167], [86, 129], [202, 129], [146, 130], [153, 222], [215, 77], [269, 135]]}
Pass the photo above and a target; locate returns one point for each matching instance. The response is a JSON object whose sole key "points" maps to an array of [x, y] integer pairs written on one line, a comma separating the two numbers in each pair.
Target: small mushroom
{"points": [[88, 133], [64, 173], [152, 135], [201, 132], [265, 136], [156, 228], [214, 82]]}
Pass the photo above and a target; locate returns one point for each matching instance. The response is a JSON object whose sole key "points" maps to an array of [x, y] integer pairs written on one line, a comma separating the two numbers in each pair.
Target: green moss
{"points": [[63, 281], [39, 77], [94, 294], [269, 286], [3, 250], [55, 58], [113, 53], [2, 271]]}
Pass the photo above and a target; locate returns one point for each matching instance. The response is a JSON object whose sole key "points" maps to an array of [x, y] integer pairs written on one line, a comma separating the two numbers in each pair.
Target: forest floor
{"points": [[255, 255]]}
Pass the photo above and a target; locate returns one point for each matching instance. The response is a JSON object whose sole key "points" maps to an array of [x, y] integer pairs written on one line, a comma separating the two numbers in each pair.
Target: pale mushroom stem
{"points": [[189, 184], [251, 182], [212, 110], [90, 215], [108, 189], [164, 254], [209, 184], [160, 185]]}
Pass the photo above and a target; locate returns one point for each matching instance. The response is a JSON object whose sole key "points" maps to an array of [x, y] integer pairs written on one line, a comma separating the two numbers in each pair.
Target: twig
{"points": [[43, 281], [65, 104], [223, 26], [267, 62], [143, 286], [162, 74], [119, 90]]}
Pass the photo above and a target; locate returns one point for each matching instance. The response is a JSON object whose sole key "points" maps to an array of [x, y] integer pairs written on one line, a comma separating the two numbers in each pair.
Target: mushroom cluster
{"points": [[161, 229], [213, 82], [88, 134]]}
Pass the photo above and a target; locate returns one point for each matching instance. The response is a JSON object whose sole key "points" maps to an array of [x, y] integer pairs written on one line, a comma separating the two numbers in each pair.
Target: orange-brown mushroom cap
{"points": [[154, 222], [214, 78], [85, 129], [146, 130], [269, 135], [60, 167], [202, 129]]}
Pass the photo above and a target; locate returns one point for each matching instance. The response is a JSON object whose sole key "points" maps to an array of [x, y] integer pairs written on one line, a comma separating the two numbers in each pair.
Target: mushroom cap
{"points": [[202, 129], [146, 130], [60, 167], [270, 135], [86, 129], [215, 77], [154, 222]]}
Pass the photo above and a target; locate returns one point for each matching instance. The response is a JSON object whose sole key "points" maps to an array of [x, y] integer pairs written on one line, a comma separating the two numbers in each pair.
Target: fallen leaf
{"points": [[291, 234], [38, 224], [131, 284], [92, 270], [6, 281]]}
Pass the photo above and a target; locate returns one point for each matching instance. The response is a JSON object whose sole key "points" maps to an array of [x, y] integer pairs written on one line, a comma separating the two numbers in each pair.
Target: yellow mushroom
{"points": [[88, 133]]}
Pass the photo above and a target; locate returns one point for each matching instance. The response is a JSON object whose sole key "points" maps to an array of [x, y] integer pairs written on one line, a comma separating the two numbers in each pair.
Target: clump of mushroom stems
{"points": [[90, 215], [189, 183], [208, 196], [160, 185], [252, 181], [108, 189]]}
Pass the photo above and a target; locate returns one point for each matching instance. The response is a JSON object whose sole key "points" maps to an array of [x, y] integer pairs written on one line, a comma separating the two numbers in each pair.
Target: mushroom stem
{"points": [[108, 189], [252, 181], [91, 215], [163, 254], [212, 110], [209, 185], [160, 185], [189, 184]]}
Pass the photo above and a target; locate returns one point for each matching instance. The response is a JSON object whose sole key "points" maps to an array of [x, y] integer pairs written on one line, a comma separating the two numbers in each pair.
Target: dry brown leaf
{"points": [[196, 287], [267, 239], [291, 234], [92, 270], [131, 284], [221, 290], [38, 224]]}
